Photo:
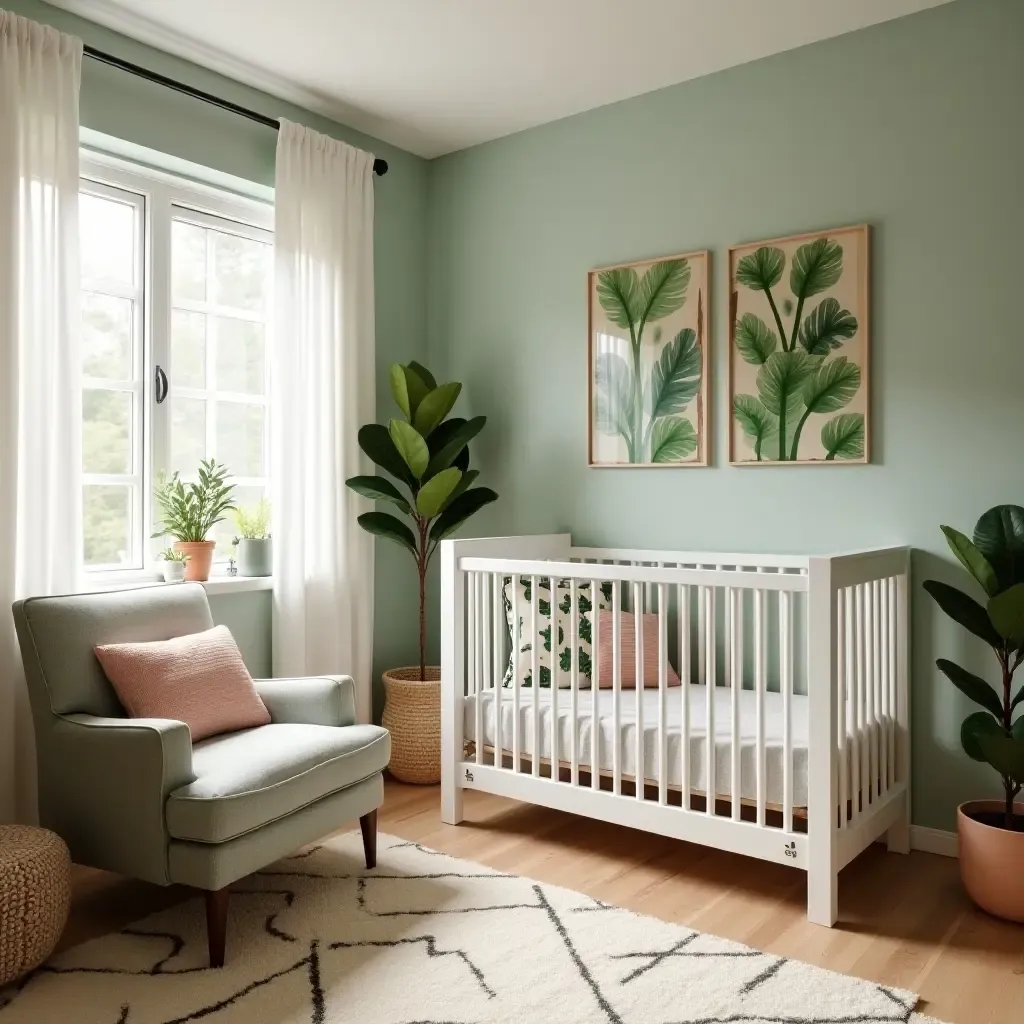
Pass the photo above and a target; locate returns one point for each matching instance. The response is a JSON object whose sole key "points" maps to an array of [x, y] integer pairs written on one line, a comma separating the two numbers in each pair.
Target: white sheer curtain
{"points": [[323, 391], [40, 422]]}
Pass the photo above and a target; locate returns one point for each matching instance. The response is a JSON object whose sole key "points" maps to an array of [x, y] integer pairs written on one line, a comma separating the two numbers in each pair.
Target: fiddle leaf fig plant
{"points": [[427, 454], [995, 559]]}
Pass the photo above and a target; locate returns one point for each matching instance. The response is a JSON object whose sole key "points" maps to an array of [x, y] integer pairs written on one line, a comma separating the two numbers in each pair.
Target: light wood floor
{"points": [[904, 920]]}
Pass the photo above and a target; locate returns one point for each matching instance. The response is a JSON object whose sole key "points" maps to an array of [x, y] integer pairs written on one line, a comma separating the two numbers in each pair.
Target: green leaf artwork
{"points": [[805, 400], [648, 392]]}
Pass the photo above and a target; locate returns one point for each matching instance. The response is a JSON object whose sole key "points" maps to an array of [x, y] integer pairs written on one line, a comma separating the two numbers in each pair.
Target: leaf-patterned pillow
{"points": [[522, 642]]}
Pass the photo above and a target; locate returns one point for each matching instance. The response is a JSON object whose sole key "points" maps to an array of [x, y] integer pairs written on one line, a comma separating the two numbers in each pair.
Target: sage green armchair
{"points": [[136, 796]]}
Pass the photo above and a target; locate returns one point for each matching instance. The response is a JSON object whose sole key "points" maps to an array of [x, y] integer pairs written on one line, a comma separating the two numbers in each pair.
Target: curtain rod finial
{"points": [[380, 167]]}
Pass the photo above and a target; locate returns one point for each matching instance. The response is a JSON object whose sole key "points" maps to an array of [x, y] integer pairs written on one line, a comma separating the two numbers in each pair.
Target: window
{"points": [[176, 286]]}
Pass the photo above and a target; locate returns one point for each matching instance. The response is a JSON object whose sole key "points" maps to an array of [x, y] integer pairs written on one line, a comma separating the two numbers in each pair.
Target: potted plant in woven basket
{"points": [[427, 455], [991, 832], [189, 511]]}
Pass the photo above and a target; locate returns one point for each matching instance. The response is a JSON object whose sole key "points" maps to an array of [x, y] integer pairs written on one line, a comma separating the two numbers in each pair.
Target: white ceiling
{"points": [[433, 76]]}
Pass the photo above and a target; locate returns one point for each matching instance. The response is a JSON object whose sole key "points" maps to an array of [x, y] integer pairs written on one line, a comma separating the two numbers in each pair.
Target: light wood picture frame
{"points": [[648, 366], [799, 349]]}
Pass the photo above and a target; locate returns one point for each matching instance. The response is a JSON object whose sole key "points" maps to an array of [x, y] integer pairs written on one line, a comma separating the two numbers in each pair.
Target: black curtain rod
{"points": [[379, 166]]}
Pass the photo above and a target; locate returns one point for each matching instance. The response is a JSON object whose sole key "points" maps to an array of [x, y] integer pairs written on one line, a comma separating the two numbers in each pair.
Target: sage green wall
{"points": [[913, 126], [149, 115]]}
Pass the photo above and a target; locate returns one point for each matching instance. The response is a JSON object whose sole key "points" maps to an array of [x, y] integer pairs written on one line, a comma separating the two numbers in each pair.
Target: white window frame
{"points": [[161, 196]]}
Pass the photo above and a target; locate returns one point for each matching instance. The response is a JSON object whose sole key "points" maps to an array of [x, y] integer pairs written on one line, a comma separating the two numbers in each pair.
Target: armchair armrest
{"points": [[103, 785], [313, 700]]}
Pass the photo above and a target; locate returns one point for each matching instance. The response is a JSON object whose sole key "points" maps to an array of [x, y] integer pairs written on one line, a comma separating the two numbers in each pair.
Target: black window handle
{"points": [[161, 385]]}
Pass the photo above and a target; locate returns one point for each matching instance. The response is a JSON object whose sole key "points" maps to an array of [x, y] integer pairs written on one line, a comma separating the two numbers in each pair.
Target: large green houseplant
{"points": [[425, 454], [992, 832]]}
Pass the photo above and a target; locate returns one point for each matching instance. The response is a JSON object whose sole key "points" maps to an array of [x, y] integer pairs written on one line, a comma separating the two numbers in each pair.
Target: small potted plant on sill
{"points": [[428, 455], [253, 544], [991, 832], [174, 565], [189, 511]]}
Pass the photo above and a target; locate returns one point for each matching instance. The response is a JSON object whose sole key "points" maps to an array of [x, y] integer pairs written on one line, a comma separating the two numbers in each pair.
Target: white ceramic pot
{"points": [[174, 572]]}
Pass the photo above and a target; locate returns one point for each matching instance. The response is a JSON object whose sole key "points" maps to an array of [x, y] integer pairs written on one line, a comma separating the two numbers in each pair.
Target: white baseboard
{"points": [[933, 840]]}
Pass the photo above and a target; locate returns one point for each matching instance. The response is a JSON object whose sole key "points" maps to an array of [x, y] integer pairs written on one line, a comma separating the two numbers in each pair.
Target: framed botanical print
{"points": [[798, 349], [648, 362]]}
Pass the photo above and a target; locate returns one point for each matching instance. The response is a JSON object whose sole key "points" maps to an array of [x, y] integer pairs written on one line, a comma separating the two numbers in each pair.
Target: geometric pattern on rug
{"points": [[428, 939]]}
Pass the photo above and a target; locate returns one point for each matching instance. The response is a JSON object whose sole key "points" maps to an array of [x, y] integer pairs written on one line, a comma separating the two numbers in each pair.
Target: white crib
{"points": [[788, 738]]}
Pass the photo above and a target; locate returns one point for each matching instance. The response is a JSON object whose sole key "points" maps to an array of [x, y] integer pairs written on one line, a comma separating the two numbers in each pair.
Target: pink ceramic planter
{"points": [[990, 861]]}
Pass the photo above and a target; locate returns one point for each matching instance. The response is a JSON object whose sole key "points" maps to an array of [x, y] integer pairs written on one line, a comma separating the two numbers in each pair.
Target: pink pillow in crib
{"points": [[199, 679], [627, 652]]}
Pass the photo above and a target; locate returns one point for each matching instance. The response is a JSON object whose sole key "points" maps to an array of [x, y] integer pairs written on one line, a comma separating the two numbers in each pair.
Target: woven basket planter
{"points": [[35, 890], [412, 714]]}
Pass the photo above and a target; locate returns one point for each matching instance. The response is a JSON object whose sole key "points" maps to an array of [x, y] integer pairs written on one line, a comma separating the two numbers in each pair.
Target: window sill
{"points": [[216, 585]]}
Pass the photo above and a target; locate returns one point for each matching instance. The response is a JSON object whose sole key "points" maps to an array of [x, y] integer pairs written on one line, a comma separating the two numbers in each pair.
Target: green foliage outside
{"points": [[995, 559]]}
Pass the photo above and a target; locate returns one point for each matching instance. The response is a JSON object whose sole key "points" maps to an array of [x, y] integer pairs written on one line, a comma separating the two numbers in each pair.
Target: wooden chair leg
{"points": [[368, 826], [217, 925]]}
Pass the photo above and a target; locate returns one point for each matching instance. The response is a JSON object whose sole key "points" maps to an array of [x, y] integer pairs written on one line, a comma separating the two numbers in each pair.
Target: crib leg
{"points": [[822, 895], [451, 798], [897, 837]]}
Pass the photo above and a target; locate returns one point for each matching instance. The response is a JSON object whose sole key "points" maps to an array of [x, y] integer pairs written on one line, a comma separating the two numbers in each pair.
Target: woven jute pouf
{"points": [[412, 714], [35, 890]]}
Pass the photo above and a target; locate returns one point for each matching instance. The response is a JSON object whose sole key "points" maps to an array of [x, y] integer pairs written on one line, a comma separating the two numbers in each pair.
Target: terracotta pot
{"points": [[200, 558], [990, 860], [412, 714]]}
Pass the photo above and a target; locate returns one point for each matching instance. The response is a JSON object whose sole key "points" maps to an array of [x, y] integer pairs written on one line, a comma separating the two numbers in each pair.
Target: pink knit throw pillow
{"points": [[627, 652], [199, 679]]}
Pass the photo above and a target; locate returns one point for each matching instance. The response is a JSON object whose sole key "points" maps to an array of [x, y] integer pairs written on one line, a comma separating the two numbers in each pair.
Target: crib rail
{"points": [[766, 693]]}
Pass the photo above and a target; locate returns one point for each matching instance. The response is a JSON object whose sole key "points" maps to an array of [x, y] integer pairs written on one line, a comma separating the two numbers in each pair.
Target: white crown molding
{"points": [[933, 840], [136, 26]]}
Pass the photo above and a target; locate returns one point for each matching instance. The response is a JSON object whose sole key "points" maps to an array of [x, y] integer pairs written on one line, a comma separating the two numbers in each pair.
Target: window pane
{"points": [[107, 524], [240, 356], [107, 230], [106, 431], [240, 437], [188, 261], [106, 336], [188, 434], [240, 271], [188, 349]]}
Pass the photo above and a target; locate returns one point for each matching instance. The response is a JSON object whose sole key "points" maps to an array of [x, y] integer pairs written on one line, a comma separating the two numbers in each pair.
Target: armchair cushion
{"points": [[245, 780]]}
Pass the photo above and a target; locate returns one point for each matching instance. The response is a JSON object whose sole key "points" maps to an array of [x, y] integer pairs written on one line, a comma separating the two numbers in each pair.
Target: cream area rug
{"points": [[427, 939]]}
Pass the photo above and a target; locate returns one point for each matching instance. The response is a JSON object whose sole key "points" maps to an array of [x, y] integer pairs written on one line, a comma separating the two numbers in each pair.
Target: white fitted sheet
{"points": [[697, 695]]}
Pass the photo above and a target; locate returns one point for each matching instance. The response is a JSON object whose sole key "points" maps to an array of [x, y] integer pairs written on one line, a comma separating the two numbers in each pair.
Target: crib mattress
{"points": [[697, 697]]}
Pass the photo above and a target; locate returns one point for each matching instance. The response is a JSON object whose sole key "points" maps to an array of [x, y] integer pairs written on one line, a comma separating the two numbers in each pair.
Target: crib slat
{"points": [[760, 682], [517, 647], [638, 691], [595, 689], [496, 679], [555, 666], [891, 651], [863, 756], [684, 693], [709, 674], [883, 686], [574, 682], [535, 672], [869, 693], [736, 681], [662, 694], [479, 630], [616, 688], [786, 683], [841, 700]]}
